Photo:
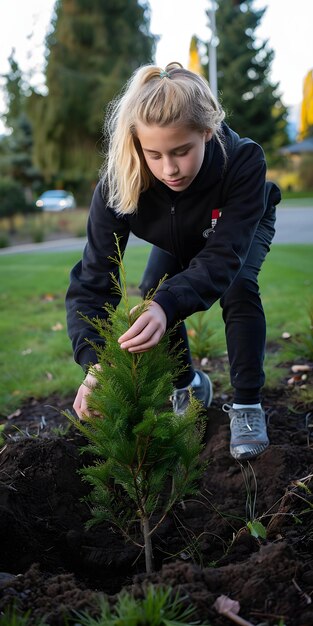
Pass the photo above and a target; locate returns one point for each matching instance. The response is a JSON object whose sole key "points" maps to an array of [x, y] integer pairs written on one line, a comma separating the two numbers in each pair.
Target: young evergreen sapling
{"points": [[147, 457]]}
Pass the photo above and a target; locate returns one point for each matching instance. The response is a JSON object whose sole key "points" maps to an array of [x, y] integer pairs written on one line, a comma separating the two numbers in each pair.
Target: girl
{"points": [[178, 177]]}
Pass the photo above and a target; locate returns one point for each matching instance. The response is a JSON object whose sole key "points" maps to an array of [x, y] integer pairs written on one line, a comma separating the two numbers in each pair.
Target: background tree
{"points": [[14, 91], [194, 61], [16, 148], [306, 118], [92, 49], [252, 103]]}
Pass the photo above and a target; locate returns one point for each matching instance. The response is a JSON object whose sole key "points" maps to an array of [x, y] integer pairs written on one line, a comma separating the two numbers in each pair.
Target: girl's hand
{"points": [[80, 403], [146, 331]]}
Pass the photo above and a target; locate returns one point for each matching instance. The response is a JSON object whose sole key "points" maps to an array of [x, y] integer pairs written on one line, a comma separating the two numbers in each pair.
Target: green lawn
{"points": [[300, 203], [35, 352], [296, 195]]}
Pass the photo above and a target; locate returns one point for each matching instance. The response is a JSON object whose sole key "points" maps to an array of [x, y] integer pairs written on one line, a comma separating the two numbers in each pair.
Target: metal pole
{"points": [[212, 51]]}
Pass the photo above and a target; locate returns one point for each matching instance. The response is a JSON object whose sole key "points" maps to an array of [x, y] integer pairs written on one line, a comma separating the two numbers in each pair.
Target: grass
{"points": [[35, 352], [295, 195], [300, 203]]}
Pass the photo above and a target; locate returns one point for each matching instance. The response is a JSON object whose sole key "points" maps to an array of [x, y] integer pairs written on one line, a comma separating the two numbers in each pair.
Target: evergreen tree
{"points": [[14, 92], [148, 457], [92, 49], [16, 150], [252, 103]]}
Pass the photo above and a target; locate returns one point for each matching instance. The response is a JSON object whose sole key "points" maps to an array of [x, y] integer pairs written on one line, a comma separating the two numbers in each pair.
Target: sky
{"points": [[287, 25]]}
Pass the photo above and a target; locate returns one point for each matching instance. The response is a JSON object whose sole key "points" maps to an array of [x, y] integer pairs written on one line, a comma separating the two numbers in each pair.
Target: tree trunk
{"points": [[148, 545]]}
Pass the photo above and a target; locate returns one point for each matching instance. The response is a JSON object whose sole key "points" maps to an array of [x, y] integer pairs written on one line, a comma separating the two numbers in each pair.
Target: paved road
{"points": [[60, 245], [293, 225]]}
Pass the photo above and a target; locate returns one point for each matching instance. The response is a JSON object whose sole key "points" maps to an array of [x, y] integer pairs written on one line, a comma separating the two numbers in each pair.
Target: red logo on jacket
{"points": [[216, 214]]}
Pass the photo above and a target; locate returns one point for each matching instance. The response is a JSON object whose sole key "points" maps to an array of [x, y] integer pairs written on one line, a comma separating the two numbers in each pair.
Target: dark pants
{"points": [[243, 314]]}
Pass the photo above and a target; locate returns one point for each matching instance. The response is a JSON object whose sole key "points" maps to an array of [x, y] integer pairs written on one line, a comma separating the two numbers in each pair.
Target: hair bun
{"points": [[174, 66]]}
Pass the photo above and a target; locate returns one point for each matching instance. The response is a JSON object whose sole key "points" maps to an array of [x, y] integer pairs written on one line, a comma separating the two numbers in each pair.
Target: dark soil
{"points": [[51, 565]]}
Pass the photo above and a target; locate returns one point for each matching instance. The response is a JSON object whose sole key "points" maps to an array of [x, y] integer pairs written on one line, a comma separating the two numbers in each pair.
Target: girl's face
{"points": [[174, 154]]}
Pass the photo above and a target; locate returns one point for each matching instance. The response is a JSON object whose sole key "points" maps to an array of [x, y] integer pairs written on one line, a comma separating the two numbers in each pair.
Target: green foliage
{"points": [[12, 199], [253, 524], [4, 241], [148, 453], [38, 235], [306, 171], [200, 335], [159, 607], [257, 529], [16, 148], [2, 440], [14, 92], [306, 339], [252, 103], [92, 49], [13, 617]]}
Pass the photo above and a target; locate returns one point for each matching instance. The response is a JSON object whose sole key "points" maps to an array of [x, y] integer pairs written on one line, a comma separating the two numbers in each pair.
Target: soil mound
{"points": [[51, 565]]}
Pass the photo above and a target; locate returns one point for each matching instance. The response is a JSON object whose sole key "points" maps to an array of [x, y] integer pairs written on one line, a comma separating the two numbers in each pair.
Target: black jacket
{"points": [[208, 227]]}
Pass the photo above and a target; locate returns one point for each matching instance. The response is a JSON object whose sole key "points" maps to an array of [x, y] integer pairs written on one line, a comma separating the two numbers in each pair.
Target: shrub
{"points": [[12, 200], [200, 335], [306, 171], [4, 241], [38, 235]]}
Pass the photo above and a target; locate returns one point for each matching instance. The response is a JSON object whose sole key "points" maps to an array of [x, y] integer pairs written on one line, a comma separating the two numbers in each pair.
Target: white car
{"points": [[56, 200]]}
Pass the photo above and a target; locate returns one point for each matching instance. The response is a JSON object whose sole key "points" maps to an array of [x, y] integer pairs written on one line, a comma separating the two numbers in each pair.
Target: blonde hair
{"points": [[152, 96]]}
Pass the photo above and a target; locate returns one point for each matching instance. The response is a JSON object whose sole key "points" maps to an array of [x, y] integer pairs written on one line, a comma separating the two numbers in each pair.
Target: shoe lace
{"points": [[241, 424], [248, 421]]}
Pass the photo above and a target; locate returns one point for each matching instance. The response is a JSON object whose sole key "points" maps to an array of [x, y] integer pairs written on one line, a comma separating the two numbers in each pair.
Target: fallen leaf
{"points": [[57, 326], [16, 413], [191, 332], [300, 368], [49, 376], [286, 335], [27, 351], [204, 361], [294, 379], [48, 297]]}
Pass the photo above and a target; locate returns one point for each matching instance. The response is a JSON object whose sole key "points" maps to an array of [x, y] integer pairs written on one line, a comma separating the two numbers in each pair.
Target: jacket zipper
{"points": [[175, 237]]}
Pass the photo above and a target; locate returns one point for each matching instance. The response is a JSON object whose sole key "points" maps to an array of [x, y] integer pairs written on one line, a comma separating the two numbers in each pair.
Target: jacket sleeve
{"points": [[90, 280], [213, 269]]}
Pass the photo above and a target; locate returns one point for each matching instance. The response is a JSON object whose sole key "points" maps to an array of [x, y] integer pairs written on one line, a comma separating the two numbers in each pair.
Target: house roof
{"points": [[299, 148]]}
